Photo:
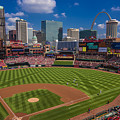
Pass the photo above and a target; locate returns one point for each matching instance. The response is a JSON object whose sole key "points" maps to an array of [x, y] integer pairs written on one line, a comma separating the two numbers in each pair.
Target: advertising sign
{"points": [[115, 45], [102, 44], [64, 56], [117, 51], [102, 49], [92, 46], [80, 49], [81, 44], [84, 49], [112, 51]]}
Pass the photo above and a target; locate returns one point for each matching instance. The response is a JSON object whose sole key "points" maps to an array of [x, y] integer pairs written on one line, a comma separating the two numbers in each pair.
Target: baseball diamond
{"points": [[50, 86]]}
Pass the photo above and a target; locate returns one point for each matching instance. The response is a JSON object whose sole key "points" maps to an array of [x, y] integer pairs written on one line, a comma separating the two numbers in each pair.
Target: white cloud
{"points": [[63, 14], [115, 9], [13, 20], [76, 4], [95, 23], [10, 27], [8, 15], [118, 35], [14, 14], [118, 23], [37, 6], [81, 28], [56, 15], [101, 26], [102, 35]]}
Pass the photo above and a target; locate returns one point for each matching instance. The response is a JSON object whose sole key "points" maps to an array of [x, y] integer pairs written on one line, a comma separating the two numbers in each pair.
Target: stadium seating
{"points": [[94, 57], [2, 63], [87, 63], [110, 114], [34, 60]]}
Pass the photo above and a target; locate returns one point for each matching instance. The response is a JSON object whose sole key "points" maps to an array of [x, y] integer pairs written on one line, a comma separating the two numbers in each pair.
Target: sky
{"points": [[73, 13]]}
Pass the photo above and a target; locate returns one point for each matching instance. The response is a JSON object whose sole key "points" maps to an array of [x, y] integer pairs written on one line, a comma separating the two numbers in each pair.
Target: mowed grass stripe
{"points": [[89, 81], [19, 102], [3, 112]]}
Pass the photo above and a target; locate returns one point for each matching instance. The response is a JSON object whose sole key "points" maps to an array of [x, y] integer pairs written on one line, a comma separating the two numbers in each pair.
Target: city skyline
{"points": [[70, 13]]}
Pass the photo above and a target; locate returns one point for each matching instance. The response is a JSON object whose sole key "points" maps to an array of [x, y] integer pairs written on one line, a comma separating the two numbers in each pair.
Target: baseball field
{"points": [[97, 86]]}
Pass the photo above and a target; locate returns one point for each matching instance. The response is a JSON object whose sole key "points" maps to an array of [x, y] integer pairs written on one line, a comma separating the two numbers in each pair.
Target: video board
{"points": [[93, 47], [88, 47], [64, 57]]}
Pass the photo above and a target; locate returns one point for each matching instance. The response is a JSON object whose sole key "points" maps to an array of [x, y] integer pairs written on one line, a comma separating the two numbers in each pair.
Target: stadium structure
{"points": [[40, 83]]}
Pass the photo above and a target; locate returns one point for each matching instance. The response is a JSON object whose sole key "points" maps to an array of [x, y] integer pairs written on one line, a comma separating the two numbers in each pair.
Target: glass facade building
{"points": [[2, 23], [88, 33], [30, 35], [53, 30], [70, 45]]}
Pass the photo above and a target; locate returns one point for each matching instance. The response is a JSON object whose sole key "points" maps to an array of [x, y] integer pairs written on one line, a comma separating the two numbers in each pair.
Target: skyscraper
{"points": [[87, 34], [53, 30], [12, 35], [40, 37], [30, 35], [73, 33], [2, 24], [21, 30], [2, 32], [111, 28]]}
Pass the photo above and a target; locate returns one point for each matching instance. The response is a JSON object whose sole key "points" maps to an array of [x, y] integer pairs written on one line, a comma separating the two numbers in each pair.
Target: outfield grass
{"points": [[89, 81], [19, 102], [3, 112], [63, 63]]}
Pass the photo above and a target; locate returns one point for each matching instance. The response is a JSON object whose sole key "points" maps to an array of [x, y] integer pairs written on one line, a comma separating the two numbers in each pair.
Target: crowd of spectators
{"points": [[113, 61], [32, 60], [87, 63], [110, 114], [116, 116], [94, 57], [2, 63]]}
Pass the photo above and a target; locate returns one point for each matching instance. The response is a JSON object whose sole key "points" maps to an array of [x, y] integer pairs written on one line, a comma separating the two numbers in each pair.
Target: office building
{"points": [[30, 35], [40, 37], [21, 30], [87, 34], [12, 35], [35, 32], [73, 34], [111, 28], [2, 24], [53, 30], [67, 45]]}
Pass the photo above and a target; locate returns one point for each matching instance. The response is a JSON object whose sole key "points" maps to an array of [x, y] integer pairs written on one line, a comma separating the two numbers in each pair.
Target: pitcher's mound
{"points": [[32, 100]]}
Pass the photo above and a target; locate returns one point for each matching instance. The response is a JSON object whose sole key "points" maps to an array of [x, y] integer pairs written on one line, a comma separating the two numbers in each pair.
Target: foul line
{"points": [[8, 107], [52, 108]]}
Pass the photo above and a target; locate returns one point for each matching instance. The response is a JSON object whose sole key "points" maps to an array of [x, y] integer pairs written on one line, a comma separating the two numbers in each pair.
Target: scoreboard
{"points": [[64, 57]]}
